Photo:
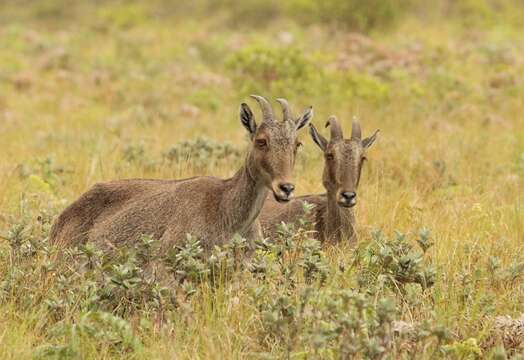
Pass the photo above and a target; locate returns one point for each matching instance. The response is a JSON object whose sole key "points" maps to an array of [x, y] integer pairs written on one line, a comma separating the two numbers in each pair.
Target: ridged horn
{"points": [[286, 112], [356, 132], [265, 106], [336, 130]]}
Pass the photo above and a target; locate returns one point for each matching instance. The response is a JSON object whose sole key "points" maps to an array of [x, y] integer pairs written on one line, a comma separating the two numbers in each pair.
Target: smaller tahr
{"points": [[333, 212]]}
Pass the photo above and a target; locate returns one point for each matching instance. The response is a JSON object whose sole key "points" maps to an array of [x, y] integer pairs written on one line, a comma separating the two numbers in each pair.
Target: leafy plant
{"points": [[105, 328], [44, 173], [283, 70], [394, 263], [352, 14]]}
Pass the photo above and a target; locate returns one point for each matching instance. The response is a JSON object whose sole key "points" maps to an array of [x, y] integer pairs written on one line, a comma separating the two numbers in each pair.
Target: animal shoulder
{"points": [[138, 186]]}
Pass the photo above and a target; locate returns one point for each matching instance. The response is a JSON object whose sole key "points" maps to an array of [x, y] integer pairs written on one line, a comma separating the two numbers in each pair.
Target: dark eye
{"points": [[261, 143], [364, 158], [329, 156], [298, 144]]}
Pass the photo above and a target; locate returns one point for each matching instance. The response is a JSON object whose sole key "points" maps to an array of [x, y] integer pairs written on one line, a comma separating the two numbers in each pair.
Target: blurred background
{"points": [[109, 89], [100, 90]]}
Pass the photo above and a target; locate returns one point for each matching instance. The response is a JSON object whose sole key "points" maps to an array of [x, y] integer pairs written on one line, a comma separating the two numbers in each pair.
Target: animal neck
{"points": [[243, 199], [340, 221]]}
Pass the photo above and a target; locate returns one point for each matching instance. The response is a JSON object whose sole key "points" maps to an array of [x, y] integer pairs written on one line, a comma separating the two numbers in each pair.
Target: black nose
{"points": [[349, 197], [287, 188]]}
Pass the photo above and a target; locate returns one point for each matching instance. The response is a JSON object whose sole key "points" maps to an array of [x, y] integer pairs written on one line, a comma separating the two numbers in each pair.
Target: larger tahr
{"points": [[209, 208]]}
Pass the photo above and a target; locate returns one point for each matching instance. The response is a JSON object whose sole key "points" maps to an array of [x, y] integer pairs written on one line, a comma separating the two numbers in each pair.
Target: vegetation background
{"points": [[101, 90]]}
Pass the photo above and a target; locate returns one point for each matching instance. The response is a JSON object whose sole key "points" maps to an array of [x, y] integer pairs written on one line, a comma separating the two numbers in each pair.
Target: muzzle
{"points": [[347, 199]]}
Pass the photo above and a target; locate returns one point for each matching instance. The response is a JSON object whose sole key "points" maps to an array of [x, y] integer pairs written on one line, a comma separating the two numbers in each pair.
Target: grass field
{"points": [[94, 93]]}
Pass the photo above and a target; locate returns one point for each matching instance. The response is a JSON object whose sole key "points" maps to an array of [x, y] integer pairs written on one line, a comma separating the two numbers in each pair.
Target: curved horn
{"points": [[267, 111], [336, 130], [285, 109], [356, 132]]}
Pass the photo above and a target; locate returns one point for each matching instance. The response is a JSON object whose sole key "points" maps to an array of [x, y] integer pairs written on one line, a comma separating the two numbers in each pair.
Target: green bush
{"points": [[362, 86], [361, 15], [202, 152], [123, 16], [395, 263], [290, 72], [91, 296], [358, 15], [279, 70], [486, 12], [252, 13]]}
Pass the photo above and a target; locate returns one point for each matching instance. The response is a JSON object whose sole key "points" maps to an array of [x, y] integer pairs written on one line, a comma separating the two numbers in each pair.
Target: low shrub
{"points": [[357, 15], [303, 303], [283, 70], [202, 152]]}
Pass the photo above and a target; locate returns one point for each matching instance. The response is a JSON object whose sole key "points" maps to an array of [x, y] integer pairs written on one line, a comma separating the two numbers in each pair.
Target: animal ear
{"points": [[367, 142], [248, 119], [317, 138], [304, 119]]}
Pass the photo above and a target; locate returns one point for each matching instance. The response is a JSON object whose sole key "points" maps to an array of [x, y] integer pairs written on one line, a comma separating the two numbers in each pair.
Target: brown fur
{"points": [[334, 219], [209, 208]]}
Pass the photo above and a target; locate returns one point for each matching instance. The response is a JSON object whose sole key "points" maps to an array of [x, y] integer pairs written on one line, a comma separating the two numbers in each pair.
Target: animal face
{"points": [[274, 146], [343, 161]]}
